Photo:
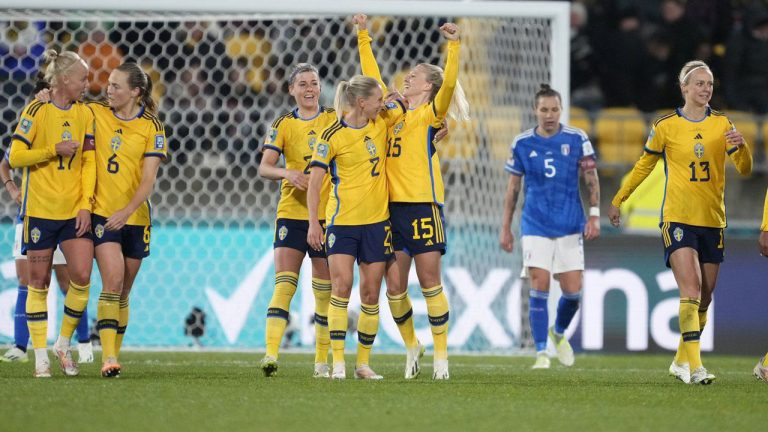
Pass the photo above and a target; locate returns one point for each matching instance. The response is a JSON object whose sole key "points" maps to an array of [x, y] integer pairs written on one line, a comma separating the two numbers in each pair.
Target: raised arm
{"points": [[443, 98], [367, 59]]}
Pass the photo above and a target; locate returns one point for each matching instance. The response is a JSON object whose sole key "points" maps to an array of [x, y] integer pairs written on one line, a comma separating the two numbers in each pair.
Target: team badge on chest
{"points": [[66, 136], [565, 149], [399, 127], [370, 146], [116, 143], [698, 150]]}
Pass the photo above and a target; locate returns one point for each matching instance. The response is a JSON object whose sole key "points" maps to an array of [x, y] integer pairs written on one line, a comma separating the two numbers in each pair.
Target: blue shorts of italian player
{"points": [[292, 233], [134, 239], [367, 243], [41, 234], [708, 242], [417, 227]]}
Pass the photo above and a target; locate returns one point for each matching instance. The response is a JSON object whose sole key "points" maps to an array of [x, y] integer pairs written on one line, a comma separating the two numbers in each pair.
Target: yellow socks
{"points": [[402, 313], [74, 304], [681, 356], [107, 322], [37, 315], [367, 327], [337, 326], [322, 290], [122, 325], [277, 313], [690, 330], [437, 309]]}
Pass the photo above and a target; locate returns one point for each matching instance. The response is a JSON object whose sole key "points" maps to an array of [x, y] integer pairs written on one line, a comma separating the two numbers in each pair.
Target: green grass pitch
{"points": [[226, 392]]}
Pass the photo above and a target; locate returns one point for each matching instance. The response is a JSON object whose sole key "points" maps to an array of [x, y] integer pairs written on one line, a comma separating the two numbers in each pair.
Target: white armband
{"points": [[594, 211]]}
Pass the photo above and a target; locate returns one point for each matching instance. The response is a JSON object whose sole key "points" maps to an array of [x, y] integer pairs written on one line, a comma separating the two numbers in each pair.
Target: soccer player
{"points": [[54, 144], [18, 353], [416, 192], [693, 142], [761, 368], [354, 150], [552, 156], [294, 135]]}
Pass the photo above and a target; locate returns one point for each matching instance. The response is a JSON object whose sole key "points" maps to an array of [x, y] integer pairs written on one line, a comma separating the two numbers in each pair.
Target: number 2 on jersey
{"points": [[375, 162]]}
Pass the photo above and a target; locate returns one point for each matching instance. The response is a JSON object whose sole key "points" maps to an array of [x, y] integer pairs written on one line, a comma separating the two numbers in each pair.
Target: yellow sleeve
{"points": [[157, 143], [764, 225], [642, 169], [21, 154], [367, 59], [451, 76], [276, 138], [88, 174]]}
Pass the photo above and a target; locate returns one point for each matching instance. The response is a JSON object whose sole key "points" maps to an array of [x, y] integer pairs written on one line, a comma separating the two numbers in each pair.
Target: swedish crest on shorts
{"points": [[35, 235], [331, 240], [677, 234], [99, 231], [282, 232]]}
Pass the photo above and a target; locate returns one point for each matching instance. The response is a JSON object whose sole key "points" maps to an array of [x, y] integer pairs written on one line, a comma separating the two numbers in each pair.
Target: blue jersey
{"points": [[551, 168]]}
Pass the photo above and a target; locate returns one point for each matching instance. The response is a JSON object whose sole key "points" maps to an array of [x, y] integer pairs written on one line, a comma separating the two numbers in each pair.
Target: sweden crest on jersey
{"points": [[312, 141], [698, 150], [116, 143], [66, 136], [399, 127], [370, 146]]}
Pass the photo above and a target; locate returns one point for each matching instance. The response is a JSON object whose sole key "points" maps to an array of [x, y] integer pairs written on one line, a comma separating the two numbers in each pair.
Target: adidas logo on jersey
{"points": [[311, 133], [429, 243], [698, 136], [118, 131], [533, 154], [66, 124]]}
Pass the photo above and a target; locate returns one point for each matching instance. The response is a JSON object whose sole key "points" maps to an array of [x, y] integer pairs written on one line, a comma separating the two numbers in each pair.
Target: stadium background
{"points": [[220, 80]]}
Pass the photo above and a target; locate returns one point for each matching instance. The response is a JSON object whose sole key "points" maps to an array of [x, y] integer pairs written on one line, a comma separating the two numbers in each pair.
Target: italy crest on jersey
{"points": [[35, 234], [331, 240], [399, 127], [698, 150], [282, 232], [678, 233], [116, 143], [370, 146], [565, 149], [99, 230]]}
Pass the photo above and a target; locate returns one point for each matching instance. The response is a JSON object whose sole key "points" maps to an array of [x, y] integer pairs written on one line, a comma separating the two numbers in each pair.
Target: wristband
{"points": [[6, 182], [594, 211]]}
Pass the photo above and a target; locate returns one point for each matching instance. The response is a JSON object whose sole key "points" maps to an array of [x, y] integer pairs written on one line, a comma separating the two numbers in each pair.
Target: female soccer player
{"points": [[54, 144], [551, 156], [693, 141], [416, 192], [294, 135], [354, 149], [761, 368]]}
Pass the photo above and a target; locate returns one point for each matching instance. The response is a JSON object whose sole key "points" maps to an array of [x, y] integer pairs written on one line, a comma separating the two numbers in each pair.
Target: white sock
{"points": [[41, 355], [62, 342]]}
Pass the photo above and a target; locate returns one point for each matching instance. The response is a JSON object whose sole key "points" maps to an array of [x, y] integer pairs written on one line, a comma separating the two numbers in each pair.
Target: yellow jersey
{"points": [[413, 166], [764, 225], [52, 186], [121, 147], [356, 159], [295, 137], [694, 163]]}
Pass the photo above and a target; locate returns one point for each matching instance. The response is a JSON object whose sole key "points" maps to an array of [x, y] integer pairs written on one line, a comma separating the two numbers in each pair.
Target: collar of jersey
{"points": [[345, 124], [537, 135], [296, 113], [62, 108], [138, 114], [707, 114]]}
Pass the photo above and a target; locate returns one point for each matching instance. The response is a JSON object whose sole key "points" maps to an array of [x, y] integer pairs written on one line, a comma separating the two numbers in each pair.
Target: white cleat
{"points": [[701, 376], [85, 352], [440, 370], [268, 366], [413, 361], [68, 365], [43, 369], [564, 350], [339, 371], [322, 371], [14, 355], [761, 372], [542, 361], [365, 372], [680, 371]]}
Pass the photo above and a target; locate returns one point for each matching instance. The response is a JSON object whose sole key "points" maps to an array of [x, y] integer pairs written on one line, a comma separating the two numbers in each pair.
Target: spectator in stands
{"points": [[659, 92], [683, 33], [585, 86], [746, 64], [622, 61]]}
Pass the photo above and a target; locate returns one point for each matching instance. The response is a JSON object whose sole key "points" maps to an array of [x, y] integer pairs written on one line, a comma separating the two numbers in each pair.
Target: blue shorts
{"points": [[417, 227], [134, 239], [292, 233], [708, 242], [41, 234], [368, 243]]}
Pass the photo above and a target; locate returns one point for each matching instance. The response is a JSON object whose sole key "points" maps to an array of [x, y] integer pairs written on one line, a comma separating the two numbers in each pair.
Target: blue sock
{"points": [[20, 329], [566, 309], [539, 316], [83, 332]]}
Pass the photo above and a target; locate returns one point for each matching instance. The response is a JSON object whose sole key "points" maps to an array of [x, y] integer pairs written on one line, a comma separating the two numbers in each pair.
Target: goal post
{"points": [[219, 72]]}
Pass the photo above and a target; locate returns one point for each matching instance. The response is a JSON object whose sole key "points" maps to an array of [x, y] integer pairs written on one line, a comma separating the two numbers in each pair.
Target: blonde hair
{"points": [[688, 69], [459, 108], [347, 92], [59, 64]]}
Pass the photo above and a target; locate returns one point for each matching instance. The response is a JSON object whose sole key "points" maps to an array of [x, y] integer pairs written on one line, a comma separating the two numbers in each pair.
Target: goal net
{"points": [[220, 79]]}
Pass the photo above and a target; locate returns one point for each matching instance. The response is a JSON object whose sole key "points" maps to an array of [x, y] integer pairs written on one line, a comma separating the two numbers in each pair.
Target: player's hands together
{"points": [[450, 31], [298, 179], [117, 221], [763, 242], [315, 235], [82, 222], [734, 138], [506, 239], [360, 21], [67, 148], [614, 215], [592, 228]]}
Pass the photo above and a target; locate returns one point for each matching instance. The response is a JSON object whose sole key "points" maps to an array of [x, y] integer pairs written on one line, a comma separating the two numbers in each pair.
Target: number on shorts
{"points": [[388, 240], [427, 230], [146, 234]]}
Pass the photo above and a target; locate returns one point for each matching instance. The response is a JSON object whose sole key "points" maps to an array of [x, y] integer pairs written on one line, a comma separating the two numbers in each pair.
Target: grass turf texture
{"points": [[215, 391]]}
